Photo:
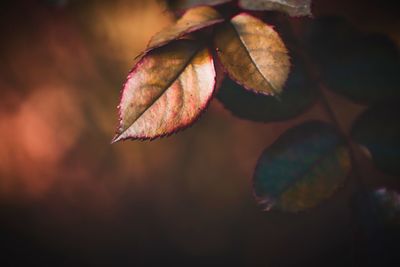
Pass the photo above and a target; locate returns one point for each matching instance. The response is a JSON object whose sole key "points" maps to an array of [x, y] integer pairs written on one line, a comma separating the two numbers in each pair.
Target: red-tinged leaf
{"points": [[294, 8], [219, 73], [166, 91], [193, 20], [253, 54]]}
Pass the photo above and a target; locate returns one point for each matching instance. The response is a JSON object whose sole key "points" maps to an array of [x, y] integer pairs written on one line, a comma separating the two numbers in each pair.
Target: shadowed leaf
{"points": [[253, 54], [362, 67], [368, 71], [292, 7], [299, 93], [193, 20], [302, 168], [166, 91], [378, 130], [378, 219], [389, 201], [326, 37]]}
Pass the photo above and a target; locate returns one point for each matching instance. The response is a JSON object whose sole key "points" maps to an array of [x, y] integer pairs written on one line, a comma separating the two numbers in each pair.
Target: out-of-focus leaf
{"points": [[191, 3], [368, 71], [389, 201], [378, 207], [302, 168], [326, 37], [193, 20], [166, 91], [292, 7], [362, 67], [378, 217], [253, 54], [378, 129], [299, 93]]}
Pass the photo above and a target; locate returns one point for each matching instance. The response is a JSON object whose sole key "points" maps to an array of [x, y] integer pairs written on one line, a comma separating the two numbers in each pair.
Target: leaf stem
{"points": [[323, 100], [315, 75], [322, 88]]}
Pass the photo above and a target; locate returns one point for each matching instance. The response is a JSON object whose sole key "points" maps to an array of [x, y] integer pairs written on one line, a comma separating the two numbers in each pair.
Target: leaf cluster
{"points": [[174, 79], [222, 48], [308, 163]]}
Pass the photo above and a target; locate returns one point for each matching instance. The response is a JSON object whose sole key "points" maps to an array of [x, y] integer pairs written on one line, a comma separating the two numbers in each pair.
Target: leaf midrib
{"points": [[273, 88], [168, 85], [325, 155]]}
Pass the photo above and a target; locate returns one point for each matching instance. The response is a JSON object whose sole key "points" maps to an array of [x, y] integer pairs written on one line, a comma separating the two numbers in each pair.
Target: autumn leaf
{"points": [[193, 20], [294, 8], [166, 91], [302, 168], [252, 54]]}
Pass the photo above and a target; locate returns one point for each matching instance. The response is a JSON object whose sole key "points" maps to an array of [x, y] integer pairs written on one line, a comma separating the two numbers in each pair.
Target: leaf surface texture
{"points": [[292, 7], [253, 54], [302, 168], [193, 20], [166, 91]]}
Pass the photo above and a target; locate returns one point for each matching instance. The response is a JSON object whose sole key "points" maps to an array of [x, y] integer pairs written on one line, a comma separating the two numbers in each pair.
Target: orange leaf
{"points": [[253, 54], [166, 91]]}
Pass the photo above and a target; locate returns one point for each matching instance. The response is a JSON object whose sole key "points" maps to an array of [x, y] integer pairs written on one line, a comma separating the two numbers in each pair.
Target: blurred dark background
{"points": [[69, 198]]}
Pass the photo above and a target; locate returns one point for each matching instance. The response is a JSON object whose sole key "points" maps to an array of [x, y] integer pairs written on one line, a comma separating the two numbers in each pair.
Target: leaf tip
{"points": [[266, 203], [116, 139]]}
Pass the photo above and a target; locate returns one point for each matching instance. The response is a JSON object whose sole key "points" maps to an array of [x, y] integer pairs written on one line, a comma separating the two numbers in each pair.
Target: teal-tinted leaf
{"points": [[302, 168], [298, 94], [378, 130]]}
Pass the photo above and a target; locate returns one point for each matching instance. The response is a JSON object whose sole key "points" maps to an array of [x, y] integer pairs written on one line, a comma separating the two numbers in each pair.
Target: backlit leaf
{"points": [[166, 91], [253, 54], [378, 130], [302, 168], [291, 7], [193, 20]]}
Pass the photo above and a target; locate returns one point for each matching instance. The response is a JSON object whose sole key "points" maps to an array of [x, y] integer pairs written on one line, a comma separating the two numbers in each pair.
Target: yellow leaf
{"points": [[166, 91], [253, 54]]}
